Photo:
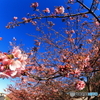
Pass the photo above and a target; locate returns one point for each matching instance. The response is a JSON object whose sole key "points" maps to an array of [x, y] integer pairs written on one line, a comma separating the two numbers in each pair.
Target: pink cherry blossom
{"points": [[55, 90], [80, 85], [24, 80], [2, 68], [12, 64], [37, 42], [97, 23], [71, 0], [86, 60], [14, 38], [71, 18], [26, 19], [12, 74], [71, 40], [23, 64], [2, 56], [15, 18], [47, 10], [89, 41], [3, 75], [72, 31], [15, 64], [23, 57], [33, 22], [7, 61], [76, 72], [85, 15], [67, 32], [34, 5], [16, 52], [59, 10], [67, 75], [9, 74], [1, 38]]}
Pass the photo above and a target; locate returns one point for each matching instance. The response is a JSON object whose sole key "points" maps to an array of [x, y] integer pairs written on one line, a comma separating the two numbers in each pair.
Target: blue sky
{"points": [[19, 8]]}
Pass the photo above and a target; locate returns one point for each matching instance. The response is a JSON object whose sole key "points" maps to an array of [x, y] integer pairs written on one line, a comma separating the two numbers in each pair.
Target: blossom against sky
{"points": [[20, 8]]}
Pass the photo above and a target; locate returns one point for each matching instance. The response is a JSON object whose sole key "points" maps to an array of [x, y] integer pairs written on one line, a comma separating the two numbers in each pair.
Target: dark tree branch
{"points": [[94, 5], [89, 10], [50, 16]]}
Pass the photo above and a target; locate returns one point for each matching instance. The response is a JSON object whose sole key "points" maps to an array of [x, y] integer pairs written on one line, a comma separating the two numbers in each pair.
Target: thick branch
{"points": [[89, 10], [50, 16]]}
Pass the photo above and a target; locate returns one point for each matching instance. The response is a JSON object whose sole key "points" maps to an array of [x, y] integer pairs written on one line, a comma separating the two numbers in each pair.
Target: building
{"points": [[2, 96]]}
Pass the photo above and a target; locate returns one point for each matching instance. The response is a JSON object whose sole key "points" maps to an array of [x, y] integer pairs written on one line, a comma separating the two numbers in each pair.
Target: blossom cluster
{"points": [[57, 10], [80, 85], [12, 65]]}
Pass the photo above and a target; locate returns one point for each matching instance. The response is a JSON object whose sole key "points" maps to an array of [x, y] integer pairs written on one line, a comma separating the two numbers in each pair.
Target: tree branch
{"points": [[89, 10]]}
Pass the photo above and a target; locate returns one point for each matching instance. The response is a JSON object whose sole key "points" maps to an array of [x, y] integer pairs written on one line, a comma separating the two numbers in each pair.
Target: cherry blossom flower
{"points": [[0, 38], [15, 18], [50, 23], [71, 18], [37, 43], [14, 38], [3, 75], [12, 64], [71, 1], [16, 52], [80, 85], [12, 74], [7, 61], [55, 90], [67, 32], [8, 26], [25, 80], [2, 68], [33, 22], [72, 31], [47, 10], [15, 64], [76, 72], [71, 40], [67, 75], [89, 41], [65, 14], [26, 20], [97, 23], [87, 59], [59, 10], [34, 5], [68, 66], [23, 57], [2, 56], [85, 15]]}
